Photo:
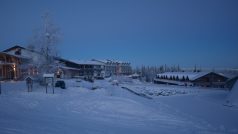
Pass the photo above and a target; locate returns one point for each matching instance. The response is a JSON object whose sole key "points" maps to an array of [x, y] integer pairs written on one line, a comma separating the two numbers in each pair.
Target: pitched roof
{"points": [[20, 47], [14, 47], [17, 56], [191, 75]]}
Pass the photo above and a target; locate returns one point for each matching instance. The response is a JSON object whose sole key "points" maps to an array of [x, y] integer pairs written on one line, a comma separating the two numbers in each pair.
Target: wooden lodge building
{"points": [[79, 68], [203, 79], [18, 62], [9, 66]]}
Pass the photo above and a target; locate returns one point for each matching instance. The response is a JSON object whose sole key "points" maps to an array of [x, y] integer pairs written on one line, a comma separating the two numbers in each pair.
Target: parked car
{"points": [[60, 83], [99, 77]]}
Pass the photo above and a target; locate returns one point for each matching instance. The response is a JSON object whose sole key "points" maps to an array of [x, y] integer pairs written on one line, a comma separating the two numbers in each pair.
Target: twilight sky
{"points": [[149, 32]]}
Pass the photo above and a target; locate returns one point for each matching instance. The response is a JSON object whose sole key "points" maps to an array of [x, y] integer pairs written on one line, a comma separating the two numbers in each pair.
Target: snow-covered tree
{"points": [[45, 40]]}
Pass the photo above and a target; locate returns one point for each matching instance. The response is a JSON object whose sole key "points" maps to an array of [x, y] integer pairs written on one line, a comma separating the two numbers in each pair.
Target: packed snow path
{"points": [[107, 110]]}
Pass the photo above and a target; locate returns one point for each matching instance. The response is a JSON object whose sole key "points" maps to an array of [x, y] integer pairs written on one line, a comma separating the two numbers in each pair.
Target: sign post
{"points": [[49, 80], [29, 83]]}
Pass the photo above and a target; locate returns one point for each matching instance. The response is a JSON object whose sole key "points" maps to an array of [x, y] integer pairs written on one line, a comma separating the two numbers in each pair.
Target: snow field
{"points": [[111, 109]]}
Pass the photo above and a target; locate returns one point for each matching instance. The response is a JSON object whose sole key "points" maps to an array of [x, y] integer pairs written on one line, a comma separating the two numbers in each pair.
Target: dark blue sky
{"points": [[149, 32]]}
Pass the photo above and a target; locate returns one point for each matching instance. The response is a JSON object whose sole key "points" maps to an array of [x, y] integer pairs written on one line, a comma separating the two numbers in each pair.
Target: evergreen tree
{"points": [[174, 78], [183, 78], [187, 79], [171, 78], [195, 68]]}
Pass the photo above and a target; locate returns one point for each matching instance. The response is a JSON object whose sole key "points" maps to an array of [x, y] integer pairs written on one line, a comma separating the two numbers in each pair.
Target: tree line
{"points": [[148, 73]]}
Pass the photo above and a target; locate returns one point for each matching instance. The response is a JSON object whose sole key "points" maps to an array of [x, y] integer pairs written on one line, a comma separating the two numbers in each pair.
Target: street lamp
{"points": [[14, 71]]}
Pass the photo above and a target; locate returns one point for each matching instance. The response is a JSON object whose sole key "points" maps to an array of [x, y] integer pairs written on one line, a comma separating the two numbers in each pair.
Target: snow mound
{"points": [[232, 98], [161, 90], [121, 79]]}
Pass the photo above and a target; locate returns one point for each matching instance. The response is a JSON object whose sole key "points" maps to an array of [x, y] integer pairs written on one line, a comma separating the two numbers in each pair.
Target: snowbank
{"points": [[232, 98]]}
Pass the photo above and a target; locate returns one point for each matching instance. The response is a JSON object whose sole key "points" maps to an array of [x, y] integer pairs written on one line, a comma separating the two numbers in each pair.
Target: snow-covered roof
{"points": [[90, 62], [111, 61], [198, 75], [102, 61], [17, 56], [14, 47], [20, 47], [191, 75], [115, 61], [48, 75], [118, 61]]}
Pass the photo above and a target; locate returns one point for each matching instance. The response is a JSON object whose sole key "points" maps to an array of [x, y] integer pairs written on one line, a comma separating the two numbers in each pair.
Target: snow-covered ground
{"points": [[110, 109]]}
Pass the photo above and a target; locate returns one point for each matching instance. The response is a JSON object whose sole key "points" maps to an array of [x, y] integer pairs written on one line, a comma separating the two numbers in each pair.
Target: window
{"points": [[18, 52]]}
